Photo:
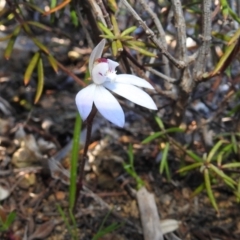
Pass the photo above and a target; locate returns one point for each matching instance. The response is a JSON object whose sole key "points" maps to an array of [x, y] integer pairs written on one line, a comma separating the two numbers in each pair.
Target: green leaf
{"points": [[30, 68], [143, 51], [53, 62], [198, 190], [10, 219], [234, 143], [40, 45], [224, 8], [194, 156], [214, 150], [136, 43], [235, 37], [209, 189], [231, 165], [40, 80], [108, 37], [34, 7], [152, 137], [164, 162], [128, 31], [159, 122], [105, 29], [39, 25], [74, 161], [223, 60], [234, 15], [190, 167], [114, 48], [11, 42], [115, 25], [221, 174]]}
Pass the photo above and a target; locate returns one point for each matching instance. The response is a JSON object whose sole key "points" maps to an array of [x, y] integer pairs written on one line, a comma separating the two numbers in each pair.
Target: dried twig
{"points": [[161, 32], [153, 37], [206, 38], [105, 14]]}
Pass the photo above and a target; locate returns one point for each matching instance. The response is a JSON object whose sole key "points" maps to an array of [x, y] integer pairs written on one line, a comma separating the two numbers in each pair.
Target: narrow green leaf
{"points": [[108, 37], [74, 161], [234, 15], [152, 137], [194, 156], [223, 59], [235, 37], [224, 8], [234, 143], [128, 31], [209, 189], [114, 48], [105, 29], [159, 122], [74, 17], [143, 51], [40, 80], [136, 43], [53, 62], [30, 68], [221, 174], [11, 42], [39, 25], [119, 45], [164, 162], [214, 150], [198, 190], [10, 219], [231, 165], [34, 7], [164, 158], [115, 25], [190, 167], [40, 45]]}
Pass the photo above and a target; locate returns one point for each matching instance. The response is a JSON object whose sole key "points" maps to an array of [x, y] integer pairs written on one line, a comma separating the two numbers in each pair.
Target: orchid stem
{"points": [[84, 157]]}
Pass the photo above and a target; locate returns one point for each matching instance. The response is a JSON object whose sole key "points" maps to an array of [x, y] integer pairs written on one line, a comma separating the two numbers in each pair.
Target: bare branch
{"points": [[105, 14], [152, 36], [162, 35], [85, 30], [181, 29], [206, 38], [165, 77]]}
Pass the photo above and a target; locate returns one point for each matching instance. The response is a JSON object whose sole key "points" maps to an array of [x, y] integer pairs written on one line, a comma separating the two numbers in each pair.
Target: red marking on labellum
{"points": [[100, 60]]}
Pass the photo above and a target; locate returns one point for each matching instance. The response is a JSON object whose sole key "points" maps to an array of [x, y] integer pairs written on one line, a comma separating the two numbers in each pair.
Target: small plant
{"points": [[103, 231], [129, 168], [165, 145], [5, 224]]}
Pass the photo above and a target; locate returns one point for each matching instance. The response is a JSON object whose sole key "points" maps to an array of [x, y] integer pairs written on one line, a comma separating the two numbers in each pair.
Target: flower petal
{"points": [[99, 72], [108, 106], [132, 93], [112, 65], [134, 80], [84, 100], [96, 53]]}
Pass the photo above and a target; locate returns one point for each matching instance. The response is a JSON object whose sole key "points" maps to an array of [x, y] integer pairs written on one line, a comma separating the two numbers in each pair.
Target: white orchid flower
{"points": [[105, 78]]}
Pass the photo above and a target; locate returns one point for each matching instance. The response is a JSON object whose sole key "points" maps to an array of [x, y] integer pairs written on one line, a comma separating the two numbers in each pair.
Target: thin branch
{"points": [[159, 74], [181, 29], [105, 14], [81, 20], [206, 38], [152, 36], [162, 35]]}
